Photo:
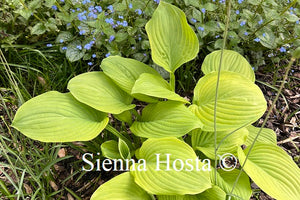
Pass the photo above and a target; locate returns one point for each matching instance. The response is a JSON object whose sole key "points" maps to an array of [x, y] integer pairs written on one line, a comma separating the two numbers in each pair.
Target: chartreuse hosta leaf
{"points": [[125, 71], [272, 170], [165, 119], [226, 179], [204, 141], [171, 168], [110, 149], [100, 92], [120, 187], [173, 42], [266, 136], [58, 117], [214, 193], [240, 101], [231, 61], [155, 86]]}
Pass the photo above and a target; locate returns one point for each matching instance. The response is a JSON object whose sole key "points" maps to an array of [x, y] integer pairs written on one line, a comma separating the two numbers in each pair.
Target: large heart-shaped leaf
{"points": [[266, 136], [58, 117], [100, 92], [272, 170], [204, 141], [240, 101], [173, 42], [165, 119], [231, 61], [226, 180], [167, 171], [120, 187], [125, 71], [155, 86]]}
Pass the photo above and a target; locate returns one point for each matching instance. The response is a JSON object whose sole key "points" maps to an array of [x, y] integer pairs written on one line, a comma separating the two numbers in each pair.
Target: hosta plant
{"points": [[179, 145]]}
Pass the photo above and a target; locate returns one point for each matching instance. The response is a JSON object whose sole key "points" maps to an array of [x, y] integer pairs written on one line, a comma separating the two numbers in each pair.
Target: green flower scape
{"points": [[168, 124]]}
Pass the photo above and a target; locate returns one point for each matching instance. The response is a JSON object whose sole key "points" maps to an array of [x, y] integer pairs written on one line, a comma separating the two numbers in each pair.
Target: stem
{"points": [[119, 135], [172, 81], [264, 123], [217, 87]]}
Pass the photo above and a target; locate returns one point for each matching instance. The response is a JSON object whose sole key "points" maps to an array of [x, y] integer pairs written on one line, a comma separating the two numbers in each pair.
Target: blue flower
{"points": [[79, 47], [88, 46], [157, 1], [120, 17], [72, 10], [68, 24], [49, 45], [246, 33], [98, 8], [282, 49], [130, 5], [111, 8], [81, 32], [109, 21], [256, 39], [138, 11], [62, 1], [264, 34], [297, 22], [237, 12], [145, 54], [240, 1], [193, 20], [111, 38], [94, 55], [200, 28], [90, 63], [86, 1], [125, 23], [81, 16], [54, 7], [64, 48], [203, 10], [260, 21], [107, 55], [217, 36], [242, 23], [61, 40]]}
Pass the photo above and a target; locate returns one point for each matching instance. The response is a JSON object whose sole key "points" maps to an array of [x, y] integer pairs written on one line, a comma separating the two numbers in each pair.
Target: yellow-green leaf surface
{"points": [[121, 187], [100, 92], [125, 71], [171, 178], [214, 193], [240, 101], [266, 136], [232, 61], [226, 179], [155, 86], [110, 149], [204, 141], [58, 117], [273, 170], [172, 41], [165, 119]]}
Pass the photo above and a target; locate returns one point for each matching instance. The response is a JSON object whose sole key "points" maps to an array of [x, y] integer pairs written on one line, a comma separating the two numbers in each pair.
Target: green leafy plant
{"points": [[172, 133]]}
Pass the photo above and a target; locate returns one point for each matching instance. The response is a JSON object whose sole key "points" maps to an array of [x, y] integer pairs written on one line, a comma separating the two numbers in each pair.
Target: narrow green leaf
{"points": [[204, 141], [124, 149], [155, 86], [165, 119], [58, 117], [272, 170], [232, 61], [173, 42], [125, 71], [120, 187], [240, 101], [100, 92], [266, 136], [167, 166], [110, 150]]}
